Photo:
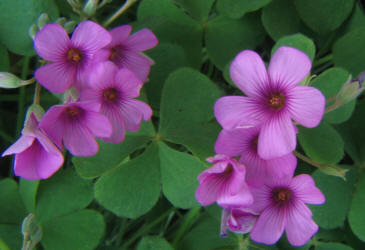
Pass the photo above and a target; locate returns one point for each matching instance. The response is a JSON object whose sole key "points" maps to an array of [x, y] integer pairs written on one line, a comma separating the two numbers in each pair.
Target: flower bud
{"points": [[61, 20], [69, 26], [10, 81], [33, 30], [90, 7], [36, 109], [43, 19], [350, 90], [334, 170], [30, 230]]}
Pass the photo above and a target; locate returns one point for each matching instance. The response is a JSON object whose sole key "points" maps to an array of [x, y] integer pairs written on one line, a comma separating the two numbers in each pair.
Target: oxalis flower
{"points": [[243, 142], [69, 57], [273, 99], [75, 124], [282, 205], [223, 183], [125, 50], [36, 157], [114, 89]]}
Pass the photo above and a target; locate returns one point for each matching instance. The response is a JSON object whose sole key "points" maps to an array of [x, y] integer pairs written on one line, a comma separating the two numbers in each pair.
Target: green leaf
{"points": [[109, 156], [12, 209], [237, 8], [341, 114], [280, 18], [80, 230], [357, 18], [179, 172], [54, 196], [172, 25], [188, 97], [338, 193], [324, 16], [3, 246], [226, 37], [197, 9], [16, 18], [205, 236], [348, 51], [4, 59], [331, 246], [298, 41], [28, 191], [168, 57], [154, 242], [322, 144], [133, 188], [11, 235], [356, 214]]}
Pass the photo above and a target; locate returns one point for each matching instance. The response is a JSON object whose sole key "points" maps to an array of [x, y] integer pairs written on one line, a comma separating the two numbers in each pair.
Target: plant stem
{"points": [[120, 11], [332, 98], [188, 221], [37, 92], [145, 229], [323, 60], [332, 107], [21, 97], [307, 159]]}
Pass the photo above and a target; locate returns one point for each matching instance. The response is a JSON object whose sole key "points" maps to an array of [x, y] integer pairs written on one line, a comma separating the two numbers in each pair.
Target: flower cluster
{"points": [[259, 193], [100, 73]]}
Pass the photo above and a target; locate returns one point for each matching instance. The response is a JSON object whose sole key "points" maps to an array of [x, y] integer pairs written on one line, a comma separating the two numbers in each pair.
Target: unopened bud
{"points": [[33, 30], [31, 230], [90, 7], [334, 170], [28, 224], [43, 19], [10, 81], [71, 95], [350, 90], [61, 20], [69, 26]]}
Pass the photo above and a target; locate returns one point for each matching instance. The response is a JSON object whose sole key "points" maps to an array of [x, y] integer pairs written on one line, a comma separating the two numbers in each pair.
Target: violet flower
{"points": [[125, 50], [223, 183], [75, 124], [282, 206], [241, 220], [273, 99], [69, 58], [243, 142], [114, 90], [36, 157]]}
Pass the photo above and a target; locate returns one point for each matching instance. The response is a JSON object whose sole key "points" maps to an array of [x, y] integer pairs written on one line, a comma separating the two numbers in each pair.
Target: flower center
{"points": [[282, 195], [113, 54], [254, 143], [74, 55], [111, 95], [277, 101], [228, 171], [73, 111]]}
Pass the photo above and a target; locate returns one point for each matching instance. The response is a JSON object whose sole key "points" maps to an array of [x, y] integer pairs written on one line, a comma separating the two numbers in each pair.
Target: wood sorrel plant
{"points": [[130, 99]]}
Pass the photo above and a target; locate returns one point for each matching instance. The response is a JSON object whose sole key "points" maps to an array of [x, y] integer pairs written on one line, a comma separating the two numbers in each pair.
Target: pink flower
{"points": [[223, 183], [36, 157], [243, 142], [69, 58], [273, 99], [114, 91], [241, 220], [282, 202], [75, 124], [125, 50]]}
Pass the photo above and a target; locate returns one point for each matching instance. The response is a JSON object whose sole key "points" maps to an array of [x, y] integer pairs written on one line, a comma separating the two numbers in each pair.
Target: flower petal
{"points": [[128, 83], [118, 126], [53, 125], [238, 111], [141, 40], [19, 145], [277, 137], [98, 124], [138, 63], [299, 227], [208, 190], [306, 190], [255, 168], [233, 142], [102, 75], [52, 42], [56, 77], [281, 166], [79, 141], [90, 37], [119, 35], [241, 199], [133, 111], [306, 105], [288, 66], [248, 72]]}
